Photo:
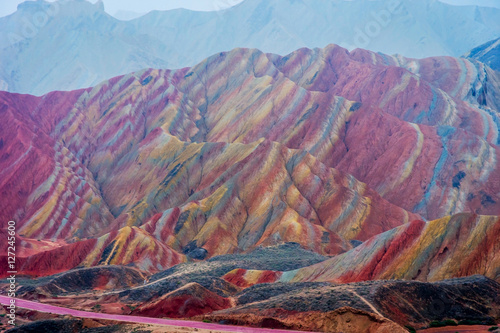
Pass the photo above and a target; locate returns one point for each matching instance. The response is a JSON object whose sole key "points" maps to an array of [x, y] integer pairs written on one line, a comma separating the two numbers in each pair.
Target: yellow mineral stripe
{"points": [[119, 240], [407, 260], [408, 167]]}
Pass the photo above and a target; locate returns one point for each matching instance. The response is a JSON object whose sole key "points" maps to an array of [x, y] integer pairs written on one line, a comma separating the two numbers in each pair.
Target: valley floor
{"points": [[159, 325]]}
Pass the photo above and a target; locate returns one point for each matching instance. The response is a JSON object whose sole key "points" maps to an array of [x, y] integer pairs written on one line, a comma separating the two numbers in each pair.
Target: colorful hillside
{"points": [[236, 153]]}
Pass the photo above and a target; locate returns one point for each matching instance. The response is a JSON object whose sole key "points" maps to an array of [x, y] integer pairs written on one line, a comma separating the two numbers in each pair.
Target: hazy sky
{"points": [[143, 6], [140, 6]]}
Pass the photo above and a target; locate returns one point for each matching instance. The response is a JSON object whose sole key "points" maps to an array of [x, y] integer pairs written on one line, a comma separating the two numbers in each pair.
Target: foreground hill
{"points": [[359, 307], [93, 46], [456, 246], [196, 291]]}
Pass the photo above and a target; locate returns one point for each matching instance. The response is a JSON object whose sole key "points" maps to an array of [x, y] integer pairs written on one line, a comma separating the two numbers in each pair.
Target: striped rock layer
{"points": [[127, 246], [451, 247], [245, 149]]}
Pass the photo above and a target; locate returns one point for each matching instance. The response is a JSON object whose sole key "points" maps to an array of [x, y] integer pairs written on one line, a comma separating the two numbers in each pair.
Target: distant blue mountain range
{"points": [[72, 44], [489, 53]]}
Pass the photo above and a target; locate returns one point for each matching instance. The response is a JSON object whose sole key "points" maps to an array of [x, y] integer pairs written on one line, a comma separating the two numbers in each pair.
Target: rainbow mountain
{"points": [[365, 167], [322, 147]]}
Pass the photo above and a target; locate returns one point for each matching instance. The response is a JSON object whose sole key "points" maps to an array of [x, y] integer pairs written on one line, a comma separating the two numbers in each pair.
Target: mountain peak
{"points": [[30, 5], [53, 7], [100, 5]]}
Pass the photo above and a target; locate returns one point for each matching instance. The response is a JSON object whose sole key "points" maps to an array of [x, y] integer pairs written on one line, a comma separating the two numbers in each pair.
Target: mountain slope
{"points": [[456, 246], [409, 303], [245, 149], [245, 95], [488, 53], [93, 46], [229, 213], [127, 246], [318, 307]]}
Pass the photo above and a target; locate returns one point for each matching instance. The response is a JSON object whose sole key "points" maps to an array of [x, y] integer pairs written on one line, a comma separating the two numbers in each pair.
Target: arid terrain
{"points": [[326, 190]]}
